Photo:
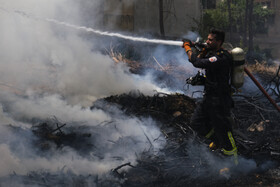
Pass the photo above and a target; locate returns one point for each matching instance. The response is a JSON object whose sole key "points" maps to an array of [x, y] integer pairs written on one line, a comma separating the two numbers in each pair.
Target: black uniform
{"points": [[212, 116]]}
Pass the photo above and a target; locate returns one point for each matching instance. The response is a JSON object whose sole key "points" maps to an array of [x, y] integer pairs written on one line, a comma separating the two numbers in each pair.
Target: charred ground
{"points": [[256, 137], [184, 160]]}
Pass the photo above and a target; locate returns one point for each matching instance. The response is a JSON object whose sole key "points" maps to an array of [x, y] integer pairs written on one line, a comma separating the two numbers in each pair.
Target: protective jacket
{"points": [[212, 117], [217, 70]]}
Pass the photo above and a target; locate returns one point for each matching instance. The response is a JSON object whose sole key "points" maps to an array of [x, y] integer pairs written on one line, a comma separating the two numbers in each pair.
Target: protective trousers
{"points": [[212, 120]]}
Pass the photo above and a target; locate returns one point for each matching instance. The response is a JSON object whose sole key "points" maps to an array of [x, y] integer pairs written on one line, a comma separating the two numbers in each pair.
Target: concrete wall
{"points": [[118, 14], [185, 17], [142, 16], [146, 16]]}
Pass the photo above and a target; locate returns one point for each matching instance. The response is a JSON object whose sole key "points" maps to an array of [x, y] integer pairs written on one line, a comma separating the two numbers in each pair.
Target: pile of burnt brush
{"points": [[185, 159], [257, 133]]}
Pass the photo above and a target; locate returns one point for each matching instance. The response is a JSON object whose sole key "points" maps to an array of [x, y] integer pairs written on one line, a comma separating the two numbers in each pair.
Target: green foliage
{"points": [[262, 18], [214, 18], [219, 18]]}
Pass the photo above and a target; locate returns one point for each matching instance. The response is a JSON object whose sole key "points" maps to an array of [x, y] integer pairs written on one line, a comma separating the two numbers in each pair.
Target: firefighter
{"points": [[212, 118]]}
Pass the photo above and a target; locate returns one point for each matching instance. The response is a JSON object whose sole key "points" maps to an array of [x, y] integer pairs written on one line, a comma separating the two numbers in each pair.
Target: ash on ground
{"points": [[184, 160]]}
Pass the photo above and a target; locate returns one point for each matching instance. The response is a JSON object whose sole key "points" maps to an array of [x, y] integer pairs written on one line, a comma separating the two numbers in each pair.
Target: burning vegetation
{"points": [[75, 114], [182, 160]]}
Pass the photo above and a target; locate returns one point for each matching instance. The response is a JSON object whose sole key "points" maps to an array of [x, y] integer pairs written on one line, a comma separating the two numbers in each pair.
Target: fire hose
{"points": [[261, 88]]}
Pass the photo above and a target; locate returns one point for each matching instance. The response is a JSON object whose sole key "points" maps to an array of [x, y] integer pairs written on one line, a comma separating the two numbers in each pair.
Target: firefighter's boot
{"points": [[232, 152], [213, 142]]}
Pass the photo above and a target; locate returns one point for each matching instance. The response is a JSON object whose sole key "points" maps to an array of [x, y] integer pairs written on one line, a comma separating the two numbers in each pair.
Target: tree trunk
{"points": [[250, 22], [229, 19], [245, 29], [161, 24]]}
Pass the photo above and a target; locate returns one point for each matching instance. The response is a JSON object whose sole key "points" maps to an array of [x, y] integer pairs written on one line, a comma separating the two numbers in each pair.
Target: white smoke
{"points": [[40, 56], [50, 70], [129, 137], [215, 162]]}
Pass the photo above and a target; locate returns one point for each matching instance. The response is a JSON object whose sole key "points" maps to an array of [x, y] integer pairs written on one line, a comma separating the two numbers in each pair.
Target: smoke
{"points": [[48, 70], [51, 70], [38, 56], [115, 138], [112, 146], [210, 165]]}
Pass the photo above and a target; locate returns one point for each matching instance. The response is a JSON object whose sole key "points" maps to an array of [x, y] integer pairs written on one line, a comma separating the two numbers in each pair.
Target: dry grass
{"points": [[268, 73], [264, 70]]}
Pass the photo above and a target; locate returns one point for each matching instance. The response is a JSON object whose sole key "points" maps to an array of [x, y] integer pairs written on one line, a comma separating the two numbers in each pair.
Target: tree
{"points": [[243, 18], [245, 43], [250, 24], [161, 20], [230, 19]]}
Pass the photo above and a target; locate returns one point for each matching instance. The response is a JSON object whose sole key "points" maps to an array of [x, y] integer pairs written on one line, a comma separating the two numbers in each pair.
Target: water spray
{"points": [[138, 39], [87, 29]]}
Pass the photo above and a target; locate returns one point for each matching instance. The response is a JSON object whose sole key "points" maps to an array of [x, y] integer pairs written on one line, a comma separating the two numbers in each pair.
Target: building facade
{"points": [[142, 16]]}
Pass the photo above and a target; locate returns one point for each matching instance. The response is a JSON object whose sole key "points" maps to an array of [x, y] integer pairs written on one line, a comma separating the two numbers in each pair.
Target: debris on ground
{"points": [[180, 162], [184, 160]]}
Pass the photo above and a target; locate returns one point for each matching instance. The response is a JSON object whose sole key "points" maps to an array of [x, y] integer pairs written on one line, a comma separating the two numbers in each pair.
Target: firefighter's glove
{"points": [[187, 44]]}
